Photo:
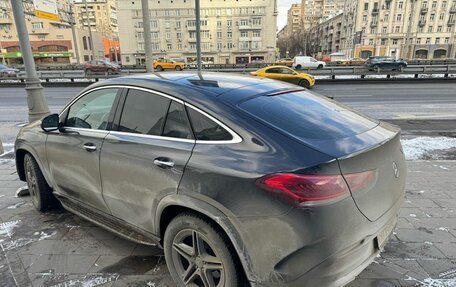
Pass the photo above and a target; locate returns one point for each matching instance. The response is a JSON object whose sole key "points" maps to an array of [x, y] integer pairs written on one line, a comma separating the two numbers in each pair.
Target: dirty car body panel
{"points": [[277, 141]]}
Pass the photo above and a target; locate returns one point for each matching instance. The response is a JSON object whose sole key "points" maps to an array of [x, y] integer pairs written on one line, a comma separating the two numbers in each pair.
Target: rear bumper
{"points": [[330, 250]]}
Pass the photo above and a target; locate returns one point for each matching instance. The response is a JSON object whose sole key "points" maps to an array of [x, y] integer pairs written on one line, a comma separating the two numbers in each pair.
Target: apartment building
{"points": [[315, 11], [232, 31], [294, 20], [101, 17], [422, 29], [52, 41]]}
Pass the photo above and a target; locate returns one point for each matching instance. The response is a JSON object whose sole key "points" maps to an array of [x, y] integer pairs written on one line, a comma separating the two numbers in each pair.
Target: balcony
{"points": [[245, 27], [424, 10], [451, 22], [375, 11], [421, 23], [373, 24], [453, 9]]}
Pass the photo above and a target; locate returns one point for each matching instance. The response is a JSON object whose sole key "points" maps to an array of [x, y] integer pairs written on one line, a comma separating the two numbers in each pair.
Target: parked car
{"points": [[101, 66], [300, 62], [165, 64], [284, 62], [376, 63], [237, 178], [354, 62], [285, 74], [193, 65], [7, 72]]}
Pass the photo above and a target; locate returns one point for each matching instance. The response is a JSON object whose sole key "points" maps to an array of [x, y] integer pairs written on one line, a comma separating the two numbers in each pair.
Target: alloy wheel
{"points": [[32, 183], [196, 260]]}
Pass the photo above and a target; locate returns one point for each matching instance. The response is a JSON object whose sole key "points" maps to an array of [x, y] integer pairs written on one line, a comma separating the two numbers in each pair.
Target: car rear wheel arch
{"points": [[169, 212]]}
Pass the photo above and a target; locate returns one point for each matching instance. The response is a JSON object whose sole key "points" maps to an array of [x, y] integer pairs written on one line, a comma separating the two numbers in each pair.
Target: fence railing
{"points": [[328, 72]]}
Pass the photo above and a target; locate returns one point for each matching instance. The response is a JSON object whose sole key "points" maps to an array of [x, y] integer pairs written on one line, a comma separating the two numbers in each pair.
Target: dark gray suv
{"points": [[241, 180]]}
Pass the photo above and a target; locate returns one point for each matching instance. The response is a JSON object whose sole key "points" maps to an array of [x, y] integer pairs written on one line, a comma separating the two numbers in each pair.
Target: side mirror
{"points": [[50, 123]]}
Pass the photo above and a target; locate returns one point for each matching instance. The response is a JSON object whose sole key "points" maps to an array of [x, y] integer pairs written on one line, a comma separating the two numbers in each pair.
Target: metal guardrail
{"points": [[330, 72]]}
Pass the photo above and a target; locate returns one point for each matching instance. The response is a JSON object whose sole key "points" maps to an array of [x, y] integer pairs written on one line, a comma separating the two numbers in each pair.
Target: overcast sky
{"points": [[284, 5]]}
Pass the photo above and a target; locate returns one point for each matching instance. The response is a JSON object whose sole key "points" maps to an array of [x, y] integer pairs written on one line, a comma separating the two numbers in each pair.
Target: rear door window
{"points": [[144, 113], [205, 128], [306, 116], [177, 125]]}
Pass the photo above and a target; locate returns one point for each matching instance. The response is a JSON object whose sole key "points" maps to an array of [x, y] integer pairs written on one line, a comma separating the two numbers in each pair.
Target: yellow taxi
{"points": [[285, 74], [163, 64]]}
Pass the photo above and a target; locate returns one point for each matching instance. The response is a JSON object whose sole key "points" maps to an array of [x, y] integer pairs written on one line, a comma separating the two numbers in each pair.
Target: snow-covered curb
{"points": [[427, 147]]}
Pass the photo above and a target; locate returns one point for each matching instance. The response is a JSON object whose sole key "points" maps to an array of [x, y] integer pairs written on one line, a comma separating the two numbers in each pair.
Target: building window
{"points": [[256, 21], [397, 29], [364, 18], [219, 24], [192, 34], [141, 46], [366, 6], [86, 58], [169, 46], [168, 35], [256, 33], [439, 28], [432, 17], [434, 4], [400, 5], [383, 42], [244, 22], [167, 24], [37, 25], [84, 42], [229, 35], [205, 34], [371, 41], [140, 24], [442, 16], [179, 46], [140, 35], [219, 35], [154, 35], [386, 17], [229, 45], [384, 30], [418, 40], [394, 41], [179, 35], [178, 24], [428, 40], [256, 45], [430, 29], [399, 17], [244, 34], [229, 23], [421, 29], [244, 45], [447, 40], [153, 24], [444, 4], [372, 31], [437, 40], [219, 46]]}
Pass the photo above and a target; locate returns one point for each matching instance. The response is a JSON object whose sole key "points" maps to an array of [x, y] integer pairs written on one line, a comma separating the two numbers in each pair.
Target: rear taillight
{"points": [[305, 190], [315, 190]]}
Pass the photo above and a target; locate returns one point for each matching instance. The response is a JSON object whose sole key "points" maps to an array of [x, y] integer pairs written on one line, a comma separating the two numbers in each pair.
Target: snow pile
{"points": [[427, 147]]}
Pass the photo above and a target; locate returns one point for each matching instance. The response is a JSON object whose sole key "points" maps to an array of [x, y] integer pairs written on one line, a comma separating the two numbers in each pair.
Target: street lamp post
{"points": [[198, 34], [36, 101], [73, 31], [90, 29], [147, 36]]}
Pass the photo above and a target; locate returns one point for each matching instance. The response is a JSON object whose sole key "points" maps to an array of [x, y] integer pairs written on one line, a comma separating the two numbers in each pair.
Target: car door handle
{"points": [[90, 147], [163, 163]]}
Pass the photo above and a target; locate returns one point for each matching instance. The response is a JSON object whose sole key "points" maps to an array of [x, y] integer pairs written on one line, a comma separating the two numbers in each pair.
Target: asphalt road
{"points": [[414, 105]]}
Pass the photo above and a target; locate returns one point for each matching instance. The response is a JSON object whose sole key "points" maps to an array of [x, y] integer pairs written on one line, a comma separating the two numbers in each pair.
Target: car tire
{"points": [[298, 67], [182, 258], [320, 66], [304, 83], [159, 68], [178, 68], [40, 191]]}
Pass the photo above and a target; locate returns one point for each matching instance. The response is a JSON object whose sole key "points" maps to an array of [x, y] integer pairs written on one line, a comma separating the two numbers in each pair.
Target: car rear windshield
{"points": [[306, 116]]}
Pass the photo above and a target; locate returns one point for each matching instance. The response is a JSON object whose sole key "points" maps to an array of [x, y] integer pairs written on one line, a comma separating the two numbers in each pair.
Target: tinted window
{"points": [[92, 110], [273, 71], [143, 113], [177, 125], [205, 128], [307, 116]]}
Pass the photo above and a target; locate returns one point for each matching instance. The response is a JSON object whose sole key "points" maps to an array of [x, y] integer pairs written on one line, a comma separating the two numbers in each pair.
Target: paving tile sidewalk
{"points": [[61, 249]]}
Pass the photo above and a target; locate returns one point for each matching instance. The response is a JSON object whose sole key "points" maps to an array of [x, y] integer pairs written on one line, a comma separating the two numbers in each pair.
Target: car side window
{"points": [[92, 110], [177, 124], [286, 71], [273, 71], [143, 113], [206, 129]]}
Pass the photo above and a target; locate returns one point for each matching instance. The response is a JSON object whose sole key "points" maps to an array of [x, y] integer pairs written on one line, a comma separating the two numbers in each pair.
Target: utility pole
{"points": [[73, 31], [198, 35], [90, 30], [35, 98], [147, 36]]}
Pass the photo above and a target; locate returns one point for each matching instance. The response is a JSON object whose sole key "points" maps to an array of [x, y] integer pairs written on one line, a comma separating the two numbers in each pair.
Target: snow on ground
{"points": [[427, 147]]}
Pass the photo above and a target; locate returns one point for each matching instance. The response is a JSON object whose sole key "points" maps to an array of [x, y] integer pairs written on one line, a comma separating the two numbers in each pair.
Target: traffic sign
{"points": [[46, 9]]}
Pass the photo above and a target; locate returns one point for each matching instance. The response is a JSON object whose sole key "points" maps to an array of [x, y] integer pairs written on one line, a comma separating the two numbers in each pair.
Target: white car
{"points": [[300, 62]]}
